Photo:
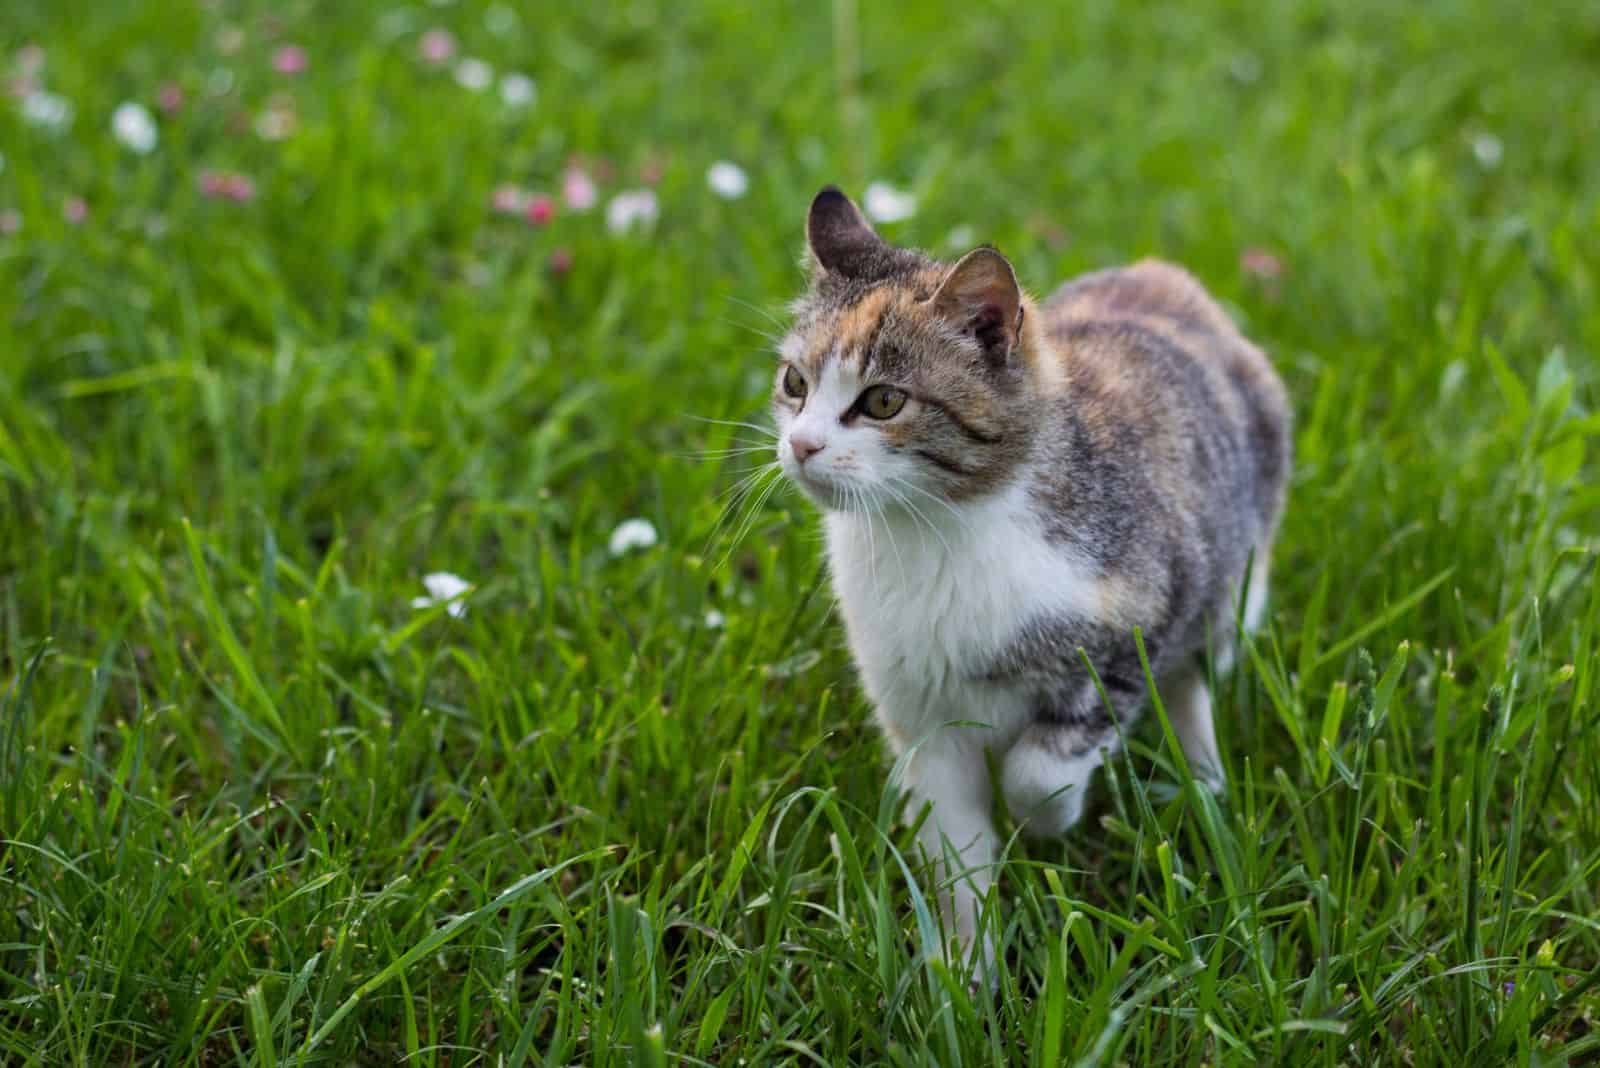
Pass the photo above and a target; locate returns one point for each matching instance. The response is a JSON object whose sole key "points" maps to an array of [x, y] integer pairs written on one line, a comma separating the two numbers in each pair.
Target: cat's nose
{"points": [[804, 447]]}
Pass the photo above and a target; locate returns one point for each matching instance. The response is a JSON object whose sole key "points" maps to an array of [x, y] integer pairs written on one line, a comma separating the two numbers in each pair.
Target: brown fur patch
{"points": [[858, 325]]}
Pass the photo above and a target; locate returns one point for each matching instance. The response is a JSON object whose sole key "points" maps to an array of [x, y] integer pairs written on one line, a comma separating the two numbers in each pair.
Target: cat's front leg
{"points": [[1046, 772], [949, 773]]}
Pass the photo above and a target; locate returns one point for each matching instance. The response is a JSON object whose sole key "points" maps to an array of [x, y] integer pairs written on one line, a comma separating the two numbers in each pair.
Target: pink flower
{"points": [[290, 59], [509, 200], [170, 98], [578, 190], [541, 209], [560, 261], [1261, 264], [10, 221], [75, 210], [436, 47], [226, 185]]}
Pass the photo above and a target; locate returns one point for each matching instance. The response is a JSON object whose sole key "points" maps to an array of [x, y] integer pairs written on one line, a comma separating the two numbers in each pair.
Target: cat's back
{"points": [[1152, 358]]}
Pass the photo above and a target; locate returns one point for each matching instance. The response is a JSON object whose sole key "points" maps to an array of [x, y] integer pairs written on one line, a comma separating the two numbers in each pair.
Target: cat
{"points": [[1006, 483]]}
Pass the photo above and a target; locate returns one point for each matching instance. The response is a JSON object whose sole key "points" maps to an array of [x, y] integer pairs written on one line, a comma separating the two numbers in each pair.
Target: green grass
{"points": [[255, 807]]}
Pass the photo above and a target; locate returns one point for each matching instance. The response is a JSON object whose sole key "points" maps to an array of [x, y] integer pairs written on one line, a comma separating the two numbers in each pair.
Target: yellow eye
{"points": [[794, 383], [883, 402]]}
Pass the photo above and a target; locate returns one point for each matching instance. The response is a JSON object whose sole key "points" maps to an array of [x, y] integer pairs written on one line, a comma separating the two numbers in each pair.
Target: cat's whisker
{"points": [[722, 454], [963, 521], [858, 505], [767, 431], [749, 516], [772, 339], [920, 518], [746, 481], [740, 498], [876, 505], [770, 316]]}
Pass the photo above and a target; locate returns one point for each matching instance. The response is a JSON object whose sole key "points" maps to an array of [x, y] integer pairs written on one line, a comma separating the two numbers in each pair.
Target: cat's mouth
{"points": [[824, 492]]}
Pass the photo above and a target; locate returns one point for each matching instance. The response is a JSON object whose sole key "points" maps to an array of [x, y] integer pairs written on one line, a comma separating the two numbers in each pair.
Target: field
{"points": [[325, 313]]}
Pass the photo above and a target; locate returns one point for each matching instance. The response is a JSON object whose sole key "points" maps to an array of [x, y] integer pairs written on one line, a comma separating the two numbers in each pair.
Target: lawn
{"points": [[327, 313]]}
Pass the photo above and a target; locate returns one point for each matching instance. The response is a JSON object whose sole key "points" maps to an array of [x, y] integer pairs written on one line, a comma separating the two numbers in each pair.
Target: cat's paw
{"points": [[1044, 790]]}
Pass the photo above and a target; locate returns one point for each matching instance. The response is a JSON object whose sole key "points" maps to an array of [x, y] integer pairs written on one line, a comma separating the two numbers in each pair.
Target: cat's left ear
{"points": [[980, 295], [841, 240]]}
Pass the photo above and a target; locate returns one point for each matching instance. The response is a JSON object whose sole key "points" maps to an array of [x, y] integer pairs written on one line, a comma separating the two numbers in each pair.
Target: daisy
{"points": [[518, 91], [630, 209], [886, 204], [474, 74], [48, 110], [134, 126], [444, 588], [632, 534], [727, 180]]}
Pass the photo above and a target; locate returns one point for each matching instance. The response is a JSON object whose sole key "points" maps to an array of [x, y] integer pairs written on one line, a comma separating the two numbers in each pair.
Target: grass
{"points": [[255, 807]]}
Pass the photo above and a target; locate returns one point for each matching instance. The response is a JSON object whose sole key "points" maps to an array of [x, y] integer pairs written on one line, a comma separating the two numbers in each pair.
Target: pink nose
{"points": [[804, 448]]}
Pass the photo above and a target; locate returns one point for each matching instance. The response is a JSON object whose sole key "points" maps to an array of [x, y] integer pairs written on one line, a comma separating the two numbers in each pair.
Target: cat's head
{"points": [[903, 378]]}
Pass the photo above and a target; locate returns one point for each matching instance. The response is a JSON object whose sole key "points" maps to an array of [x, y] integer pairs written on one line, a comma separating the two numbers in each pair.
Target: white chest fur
{"points": [[929, 600]]}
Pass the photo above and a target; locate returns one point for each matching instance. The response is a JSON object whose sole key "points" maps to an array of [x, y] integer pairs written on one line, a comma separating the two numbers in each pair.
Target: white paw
{"points": [[1044, 792]]}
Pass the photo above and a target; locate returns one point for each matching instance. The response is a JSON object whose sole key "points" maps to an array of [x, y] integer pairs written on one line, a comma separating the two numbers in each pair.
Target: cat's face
{"points": [[899, 385]]}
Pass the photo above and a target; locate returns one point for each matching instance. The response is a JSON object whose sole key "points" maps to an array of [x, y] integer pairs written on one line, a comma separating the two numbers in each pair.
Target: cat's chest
{"points": [[928, 607]]}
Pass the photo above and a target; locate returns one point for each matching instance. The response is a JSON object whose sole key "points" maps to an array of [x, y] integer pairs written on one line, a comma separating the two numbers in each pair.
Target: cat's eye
{"points": [[882, 402], [794, 383]]}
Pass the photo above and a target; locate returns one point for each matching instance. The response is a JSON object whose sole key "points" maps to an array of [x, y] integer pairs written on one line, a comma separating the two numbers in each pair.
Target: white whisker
{"points": [[770, 432]]}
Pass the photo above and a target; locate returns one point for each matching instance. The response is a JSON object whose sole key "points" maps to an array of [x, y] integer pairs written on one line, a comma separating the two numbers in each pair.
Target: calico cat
{"points": [[1008, 486]]}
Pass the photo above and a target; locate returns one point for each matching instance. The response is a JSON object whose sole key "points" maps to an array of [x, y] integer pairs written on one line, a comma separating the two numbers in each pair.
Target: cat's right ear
{"points": [[841, 240]]}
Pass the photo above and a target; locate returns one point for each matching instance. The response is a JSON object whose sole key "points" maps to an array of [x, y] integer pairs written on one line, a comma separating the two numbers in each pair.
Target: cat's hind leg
{"points": [[1188, 704]]}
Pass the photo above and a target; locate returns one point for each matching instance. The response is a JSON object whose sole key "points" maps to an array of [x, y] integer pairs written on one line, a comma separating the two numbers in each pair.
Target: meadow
{"points": [[303, 303]]}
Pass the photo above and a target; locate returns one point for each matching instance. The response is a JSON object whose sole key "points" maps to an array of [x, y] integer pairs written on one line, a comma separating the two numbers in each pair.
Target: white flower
{"points": [[442, 586], [50, 110], [474, 74], [219, 82], [886, 204], [632, 534], [715, 619], [636, 207], [728, 180], [517, 90], [1488, 150]]}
